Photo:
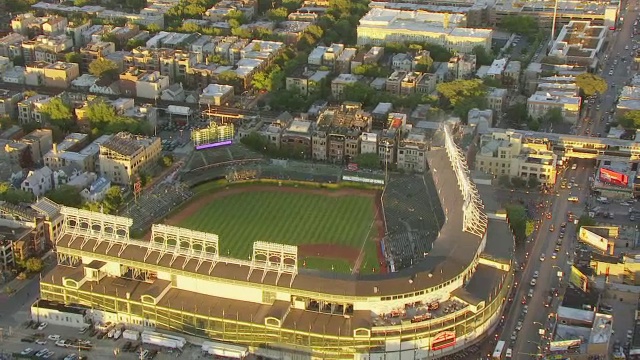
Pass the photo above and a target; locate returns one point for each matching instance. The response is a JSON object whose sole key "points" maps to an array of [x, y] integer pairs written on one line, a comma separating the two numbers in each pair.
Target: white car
{"points": [[514, 336], [61, 343], [26, 351], [53, 337], [542, 257], [519, 326], [533, 282], [42, 352], [629, 334], [530, 294], [42, 326], [41, 342], [525, 309], [536, 274]]}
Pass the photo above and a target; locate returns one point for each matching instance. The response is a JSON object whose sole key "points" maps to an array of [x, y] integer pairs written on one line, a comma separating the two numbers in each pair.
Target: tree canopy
{"points": [[482, 56], [520, 24], [520, 223], [104, 120], [463, 95], [103, 67], [367, 161], [12, 195], [591, 84], [66, 195], [58, 113], [630, 119], [553, 116]]}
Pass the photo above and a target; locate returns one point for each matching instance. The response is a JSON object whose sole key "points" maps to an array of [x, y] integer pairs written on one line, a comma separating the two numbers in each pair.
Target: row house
{"points": [[145, 84], [407, 83], [58, 75], [94, 51], [46, 48], [28, 109]]}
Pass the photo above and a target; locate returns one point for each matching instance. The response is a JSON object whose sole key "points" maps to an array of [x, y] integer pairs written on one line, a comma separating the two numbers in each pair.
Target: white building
{"points": [[381, 25], [368, 143], [216, 94], [97, 191], [38, 182]]}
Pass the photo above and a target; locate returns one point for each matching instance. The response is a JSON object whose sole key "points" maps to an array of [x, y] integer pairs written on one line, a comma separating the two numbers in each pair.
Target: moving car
{"points": [[533, 282], [542, 257]]}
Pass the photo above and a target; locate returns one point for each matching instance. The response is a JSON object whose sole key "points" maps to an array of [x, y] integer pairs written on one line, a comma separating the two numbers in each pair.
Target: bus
{"points": [[497, 352]]}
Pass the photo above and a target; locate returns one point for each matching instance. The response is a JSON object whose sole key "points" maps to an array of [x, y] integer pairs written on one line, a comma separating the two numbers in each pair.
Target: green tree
{"points": [[58, 113], [153, 28], [591, 84], [585, 220], [458, 90], [112, 200], [73, 57], [533, 124], [277, 14], [66, 195], [103, 67], [554, 116], [492, 82], [517, 217], [424, 63], [630, 119], [14, 196], [482, 56], [462, 107], [520, 24], [533, 182], [517, 114], [34, 265], [371, 70], [166, 161], [268, 81], [438, 52], [367, 161]]}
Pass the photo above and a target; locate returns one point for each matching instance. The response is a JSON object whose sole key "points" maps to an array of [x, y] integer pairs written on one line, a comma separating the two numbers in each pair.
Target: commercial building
{"points": [[124, 155], [579, 43], [215, 94], [511, 154], [380, 26]]}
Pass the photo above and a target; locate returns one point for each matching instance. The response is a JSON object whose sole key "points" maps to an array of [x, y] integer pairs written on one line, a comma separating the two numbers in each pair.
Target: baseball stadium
{"points": [[363, 267]]}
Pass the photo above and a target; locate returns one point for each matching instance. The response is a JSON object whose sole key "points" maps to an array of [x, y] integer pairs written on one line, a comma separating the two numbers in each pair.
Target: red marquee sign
{"points": [[443, 340]]}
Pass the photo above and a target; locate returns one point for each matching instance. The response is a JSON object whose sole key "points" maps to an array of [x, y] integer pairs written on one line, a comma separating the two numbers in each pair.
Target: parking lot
{"points": [[100, 348]]}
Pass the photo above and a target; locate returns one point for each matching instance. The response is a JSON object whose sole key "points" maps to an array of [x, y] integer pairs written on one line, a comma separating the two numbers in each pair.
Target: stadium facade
{"points": [[177, 281]]}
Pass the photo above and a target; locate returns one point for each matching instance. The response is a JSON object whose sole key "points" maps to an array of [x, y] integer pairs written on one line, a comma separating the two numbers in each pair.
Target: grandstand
{"points": [[414, 217]]}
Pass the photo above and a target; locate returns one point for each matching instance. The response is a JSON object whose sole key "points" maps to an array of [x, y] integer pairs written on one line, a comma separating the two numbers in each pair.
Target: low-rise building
{"points": [[368, 143], [296, 138], [216, 94], [124, 155], [38, 181], [145, 84], [28, 109], [341, 82], [94, 51], [462, 66], [39, 141], [306, 81], [9, 100], [496, 98], [579, 43], [541, 102], [412, 151], [97, 190]]}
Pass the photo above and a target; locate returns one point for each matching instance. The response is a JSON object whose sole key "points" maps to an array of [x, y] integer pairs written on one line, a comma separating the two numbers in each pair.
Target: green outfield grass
{"points": [[289, 218]]}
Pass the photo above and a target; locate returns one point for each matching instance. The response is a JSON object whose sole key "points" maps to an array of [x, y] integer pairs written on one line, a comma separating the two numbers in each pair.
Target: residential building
{"points": [[296, 138], [66, 153], [46, 48], [39, 141], [94, 51], [511, 74], [215, 94], [97, 191], [368, 143], [496, 97], [541, 102], [145, 84], [402, 62], [343, 62], [319, 145], [49, 211], [11, 45], [84, 83], [462, 66], [124, 155], [382, 25], [412, 150], [9, 100], [496, 70], [343, 126], [342, 81], [175, 92], [55, 25], [105, 86], [60, 74], [38, 181], [75, 32], [15, 75], [306, 81], [511, 154], [28, 109]]}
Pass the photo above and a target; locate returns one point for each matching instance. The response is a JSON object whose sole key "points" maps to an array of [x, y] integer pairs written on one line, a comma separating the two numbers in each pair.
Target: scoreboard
{"points": [[213, 136]]}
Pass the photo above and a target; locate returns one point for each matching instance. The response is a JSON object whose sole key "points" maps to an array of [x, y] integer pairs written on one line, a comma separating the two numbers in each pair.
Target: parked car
{"points": [[53, 337], [42, 326]]}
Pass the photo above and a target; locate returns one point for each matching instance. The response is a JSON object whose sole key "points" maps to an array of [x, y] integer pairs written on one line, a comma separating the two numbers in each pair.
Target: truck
{"points": [[225, 350], [130, 335], [164, 340]]}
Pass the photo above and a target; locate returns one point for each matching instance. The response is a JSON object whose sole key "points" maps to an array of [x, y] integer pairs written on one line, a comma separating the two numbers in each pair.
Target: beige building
{"points": [[412, 153], [496, 98], [124, 155], [341, 82], [382, 25], [541, 102], [508, 153], [307, 81], [61, 74]]}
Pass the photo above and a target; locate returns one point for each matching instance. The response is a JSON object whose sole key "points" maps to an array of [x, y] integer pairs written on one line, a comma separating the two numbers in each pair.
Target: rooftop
{"points": [[126, 144]]}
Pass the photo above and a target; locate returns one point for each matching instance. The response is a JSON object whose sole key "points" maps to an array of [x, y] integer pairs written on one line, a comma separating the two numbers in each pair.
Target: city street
{"points": [[529, 342]]}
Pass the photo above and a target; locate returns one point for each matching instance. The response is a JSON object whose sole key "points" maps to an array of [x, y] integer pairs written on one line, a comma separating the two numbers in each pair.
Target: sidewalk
{"points": [[15, 285]]}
